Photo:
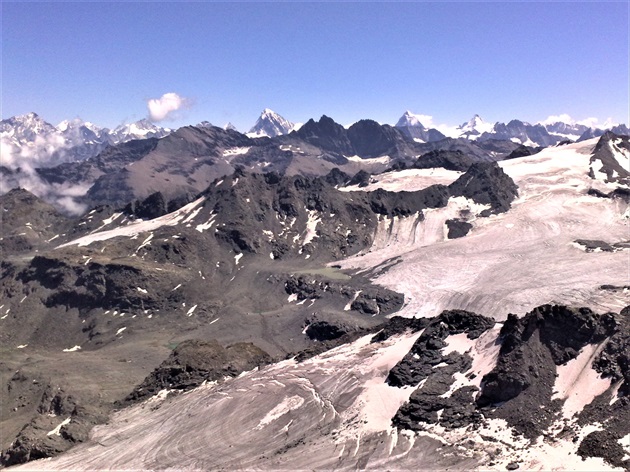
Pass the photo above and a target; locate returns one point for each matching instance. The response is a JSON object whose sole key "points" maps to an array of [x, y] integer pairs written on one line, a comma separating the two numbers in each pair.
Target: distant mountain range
{"points": [[70, 140], [77, 164], [73, 140]]}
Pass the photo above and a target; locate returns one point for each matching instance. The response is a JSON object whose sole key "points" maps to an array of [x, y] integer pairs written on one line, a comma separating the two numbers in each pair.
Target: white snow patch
{"points": [[371, 160], [578, 383], [311, 226], [349, 304], [22, 346], [293, 297], [235, 151], [57, 430], [460, 343], [178, 285], [141, 290], [191, 310], [408, 180], [484, 352], [207, 225], [73, 349], [121, 330], [238, 258], [620, 154], [138, 227], [288, 404]]}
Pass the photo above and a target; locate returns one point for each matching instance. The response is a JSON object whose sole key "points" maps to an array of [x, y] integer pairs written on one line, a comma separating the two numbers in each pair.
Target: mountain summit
{"points": [[409, 119], [270, 124]]}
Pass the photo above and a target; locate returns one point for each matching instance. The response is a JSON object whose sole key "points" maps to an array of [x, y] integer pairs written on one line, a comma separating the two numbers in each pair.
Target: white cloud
{"points": [[161, 108], [426, 120], [563, 118], [22, 162], [591, 121]]}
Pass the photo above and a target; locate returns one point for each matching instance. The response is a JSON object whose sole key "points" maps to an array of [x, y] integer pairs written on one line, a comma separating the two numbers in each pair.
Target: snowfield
{"points": [[513, 261]]}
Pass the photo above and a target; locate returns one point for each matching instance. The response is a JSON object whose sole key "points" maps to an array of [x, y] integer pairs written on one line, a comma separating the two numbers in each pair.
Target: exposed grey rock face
{"points": [[486, 183], [525, 133], [451, 160], [523, 378], [610, 158], [193, 362]]}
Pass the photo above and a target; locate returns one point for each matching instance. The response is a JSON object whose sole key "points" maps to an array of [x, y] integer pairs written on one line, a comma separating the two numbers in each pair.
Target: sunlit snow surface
{"points": [[186, 213], [514, 261]]}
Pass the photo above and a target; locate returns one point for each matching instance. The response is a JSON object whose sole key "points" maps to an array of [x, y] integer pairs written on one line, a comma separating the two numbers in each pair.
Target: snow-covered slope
{"points": [[516, 260]]}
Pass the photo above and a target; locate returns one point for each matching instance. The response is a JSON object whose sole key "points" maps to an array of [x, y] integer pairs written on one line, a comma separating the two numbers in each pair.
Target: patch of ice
{"points": [[235, 151], [371, 160], [349, 304], [311, 226], [207, 225]]}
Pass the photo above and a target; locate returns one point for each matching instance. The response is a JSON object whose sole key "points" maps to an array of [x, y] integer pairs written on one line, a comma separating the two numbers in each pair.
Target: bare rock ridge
{"points": [[192, 362], [524, 378]]}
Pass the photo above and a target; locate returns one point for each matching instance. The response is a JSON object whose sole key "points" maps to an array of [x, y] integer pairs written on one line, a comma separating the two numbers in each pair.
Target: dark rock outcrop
{"points": [[193, 362], [457, 228], [486, 183], [451, 160]]}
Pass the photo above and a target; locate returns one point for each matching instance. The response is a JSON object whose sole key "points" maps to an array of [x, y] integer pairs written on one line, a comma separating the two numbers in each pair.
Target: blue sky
{"points": [[102, 62]]}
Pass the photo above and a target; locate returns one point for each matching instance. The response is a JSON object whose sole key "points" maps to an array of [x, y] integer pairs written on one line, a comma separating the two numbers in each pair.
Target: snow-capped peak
{"points": [[270, 124], [25, 128], [474, 127], [138, 130], [410, 119]]}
